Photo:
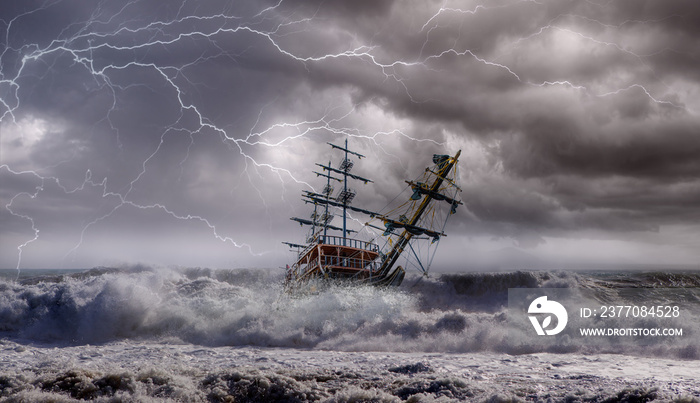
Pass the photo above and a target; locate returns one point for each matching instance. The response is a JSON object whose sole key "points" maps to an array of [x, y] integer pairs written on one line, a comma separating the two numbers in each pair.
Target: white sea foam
{"points": [[139, 371], [448, 313], [143, 334]]}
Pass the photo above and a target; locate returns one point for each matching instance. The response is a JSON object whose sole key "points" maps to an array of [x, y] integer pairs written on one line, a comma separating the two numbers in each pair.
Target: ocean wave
{"points": [[446, 313]]}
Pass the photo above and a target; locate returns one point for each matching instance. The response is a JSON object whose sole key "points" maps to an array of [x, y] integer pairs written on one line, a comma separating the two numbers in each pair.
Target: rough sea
{"points": [[197, 335]]}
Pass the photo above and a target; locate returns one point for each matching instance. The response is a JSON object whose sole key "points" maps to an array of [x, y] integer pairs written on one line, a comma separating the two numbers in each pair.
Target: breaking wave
{"points": [[447, 313]]}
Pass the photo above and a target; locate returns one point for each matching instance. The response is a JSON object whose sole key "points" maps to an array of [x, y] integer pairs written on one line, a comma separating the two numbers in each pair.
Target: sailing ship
{"points": [[338, 254]]}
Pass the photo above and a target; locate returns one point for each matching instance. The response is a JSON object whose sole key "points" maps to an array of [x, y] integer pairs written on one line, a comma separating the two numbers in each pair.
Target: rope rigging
{"points": [[428, 201]]}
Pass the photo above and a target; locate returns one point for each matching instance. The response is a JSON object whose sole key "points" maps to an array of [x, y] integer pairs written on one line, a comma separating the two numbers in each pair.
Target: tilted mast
{"points": [[444, 168]]}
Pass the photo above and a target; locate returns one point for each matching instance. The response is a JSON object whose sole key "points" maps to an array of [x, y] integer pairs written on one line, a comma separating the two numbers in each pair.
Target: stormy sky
{"points": [[183, 133]]}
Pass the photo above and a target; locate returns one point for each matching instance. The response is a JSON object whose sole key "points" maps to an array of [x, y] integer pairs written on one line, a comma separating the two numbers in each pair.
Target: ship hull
{"points": [[341, 261], [315, 284]]}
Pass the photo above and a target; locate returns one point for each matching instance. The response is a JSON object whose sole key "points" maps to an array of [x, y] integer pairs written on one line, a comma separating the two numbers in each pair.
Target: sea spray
{"points": [[446, 313]]}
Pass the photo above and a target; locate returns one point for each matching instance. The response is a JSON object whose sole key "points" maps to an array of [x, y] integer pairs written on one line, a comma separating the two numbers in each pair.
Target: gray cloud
{"points": [[196, 125]]}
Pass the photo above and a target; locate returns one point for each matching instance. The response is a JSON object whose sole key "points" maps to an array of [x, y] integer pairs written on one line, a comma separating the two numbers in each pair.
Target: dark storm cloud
{"points": [[571, 91], [573, 116]]}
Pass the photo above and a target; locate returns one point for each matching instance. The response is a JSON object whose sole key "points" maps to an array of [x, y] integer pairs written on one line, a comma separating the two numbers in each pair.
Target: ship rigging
{"points": [[336, 253]]}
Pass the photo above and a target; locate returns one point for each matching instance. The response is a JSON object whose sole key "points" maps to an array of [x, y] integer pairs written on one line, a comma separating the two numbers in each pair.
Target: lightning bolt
{"points": [[110, 42], [432, 24]]}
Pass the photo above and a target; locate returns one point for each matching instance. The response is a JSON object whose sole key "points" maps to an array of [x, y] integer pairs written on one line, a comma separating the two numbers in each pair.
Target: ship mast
{"points": [[341, 200], [345, 196], [344, 165], [444, 168]]}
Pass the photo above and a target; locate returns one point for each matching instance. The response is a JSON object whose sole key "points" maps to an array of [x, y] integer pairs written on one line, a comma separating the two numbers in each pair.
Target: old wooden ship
{"points": [[335, 253]]}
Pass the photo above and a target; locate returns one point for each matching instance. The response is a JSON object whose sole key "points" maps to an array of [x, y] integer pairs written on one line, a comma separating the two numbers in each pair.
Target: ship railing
{"points": [[338, 241], [350, 242], [307, 250], [347, 262]]}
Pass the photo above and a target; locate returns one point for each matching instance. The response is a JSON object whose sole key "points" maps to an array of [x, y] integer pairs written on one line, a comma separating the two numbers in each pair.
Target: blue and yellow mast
{"points": [[445, 164]]}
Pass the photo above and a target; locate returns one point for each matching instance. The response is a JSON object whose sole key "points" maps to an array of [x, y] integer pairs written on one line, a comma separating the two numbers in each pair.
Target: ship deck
{"points": [[338, 254]]}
